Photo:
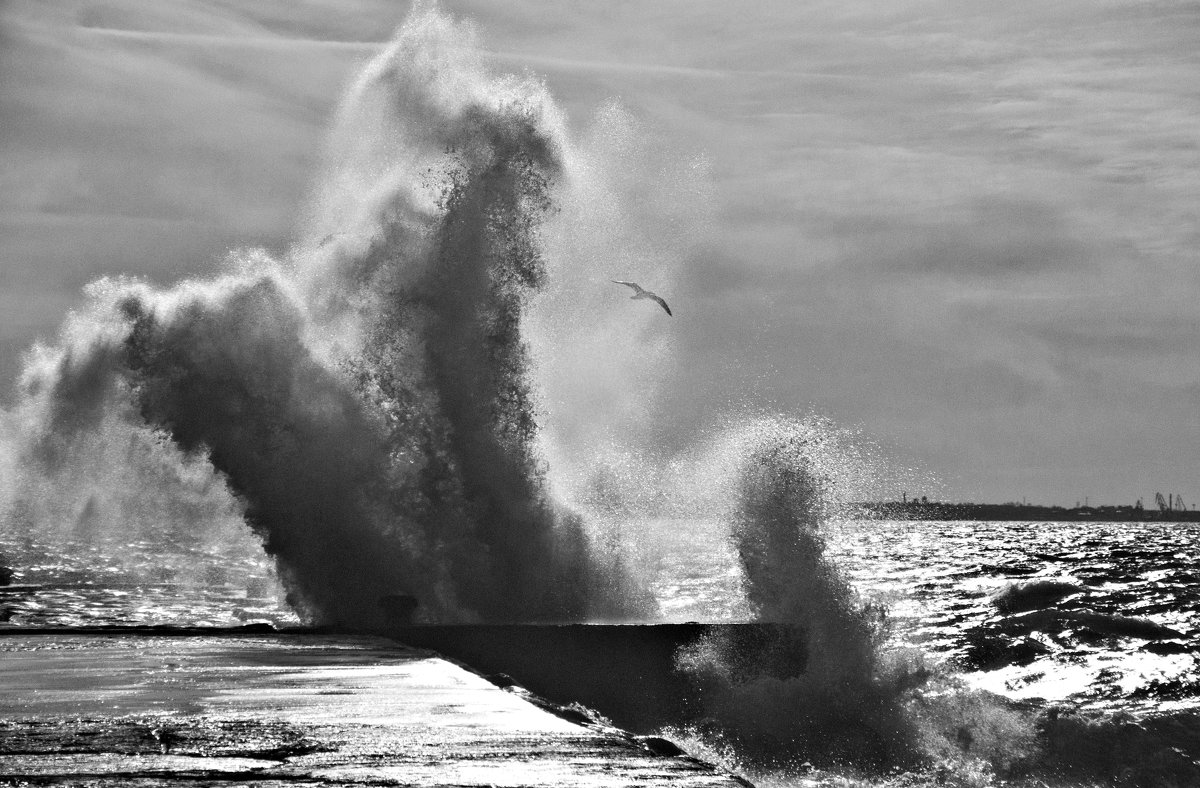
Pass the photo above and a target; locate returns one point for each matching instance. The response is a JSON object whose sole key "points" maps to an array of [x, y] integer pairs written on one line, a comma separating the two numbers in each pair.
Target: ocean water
{"points": [[938, 582], [114, 582]]}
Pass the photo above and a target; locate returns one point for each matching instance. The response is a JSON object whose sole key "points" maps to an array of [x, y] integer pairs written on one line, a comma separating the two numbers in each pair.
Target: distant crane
{"points": [[1172, 503]]}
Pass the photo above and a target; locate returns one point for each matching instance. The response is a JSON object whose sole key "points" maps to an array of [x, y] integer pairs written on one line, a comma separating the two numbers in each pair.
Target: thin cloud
{"points": [[151, 139]]}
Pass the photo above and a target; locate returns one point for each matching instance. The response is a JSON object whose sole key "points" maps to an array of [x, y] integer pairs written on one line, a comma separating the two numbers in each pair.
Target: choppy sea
{"points": [[938, 581]]}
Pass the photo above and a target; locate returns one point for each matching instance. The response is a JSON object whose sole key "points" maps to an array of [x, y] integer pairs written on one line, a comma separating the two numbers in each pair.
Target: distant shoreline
{"points": [[940, 510]]}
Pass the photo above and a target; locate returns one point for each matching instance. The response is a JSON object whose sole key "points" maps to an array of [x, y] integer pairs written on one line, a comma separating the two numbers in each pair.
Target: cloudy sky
{"points": [[969, 229]]}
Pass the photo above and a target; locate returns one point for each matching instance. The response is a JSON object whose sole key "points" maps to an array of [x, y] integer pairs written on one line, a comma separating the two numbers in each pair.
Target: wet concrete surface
{"points": [[142, 708]]}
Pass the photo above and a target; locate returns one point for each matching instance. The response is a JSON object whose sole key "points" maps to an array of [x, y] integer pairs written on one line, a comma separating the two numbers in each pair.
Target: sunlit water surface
{"points": [[937, 580], [111, 582]]}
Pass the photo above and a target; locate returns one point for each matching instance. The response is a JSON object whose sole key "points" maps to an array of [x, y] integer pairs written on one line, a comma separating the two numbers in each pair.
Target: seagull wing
{"points": [[636, 287], [661, 302]]}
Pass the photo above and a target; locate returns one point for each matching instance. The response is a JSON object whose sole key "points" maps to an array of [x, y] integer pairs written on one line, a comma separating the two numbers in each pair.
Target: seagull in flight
{"points": [[640, 292]]}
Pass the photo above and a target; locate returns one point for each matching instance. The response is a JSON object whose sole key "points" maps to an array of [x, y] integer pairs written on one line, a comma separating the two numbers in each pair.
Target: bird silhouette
{"points": [[641, 292]]}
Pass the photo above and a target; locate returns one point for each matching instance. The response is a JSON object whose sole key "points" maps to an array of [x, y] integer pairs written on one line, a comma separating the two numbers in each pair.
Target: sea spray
{"points": [[631, 208], [817, 694], [446, 355], [232, 376], [367, 400], [817, 691], [83, 472], [809, 685]]}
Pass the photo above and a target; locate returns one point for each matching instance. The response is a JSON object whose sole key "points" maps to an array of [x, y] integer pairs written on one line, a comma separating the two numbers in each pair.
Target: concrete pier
{"points": [[143, 708]]}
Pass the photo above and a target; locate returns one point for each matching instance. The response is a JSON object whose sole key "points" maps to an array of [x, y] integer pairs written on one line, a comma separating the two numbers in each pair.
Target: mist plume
{"points": [[367, 400]]}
